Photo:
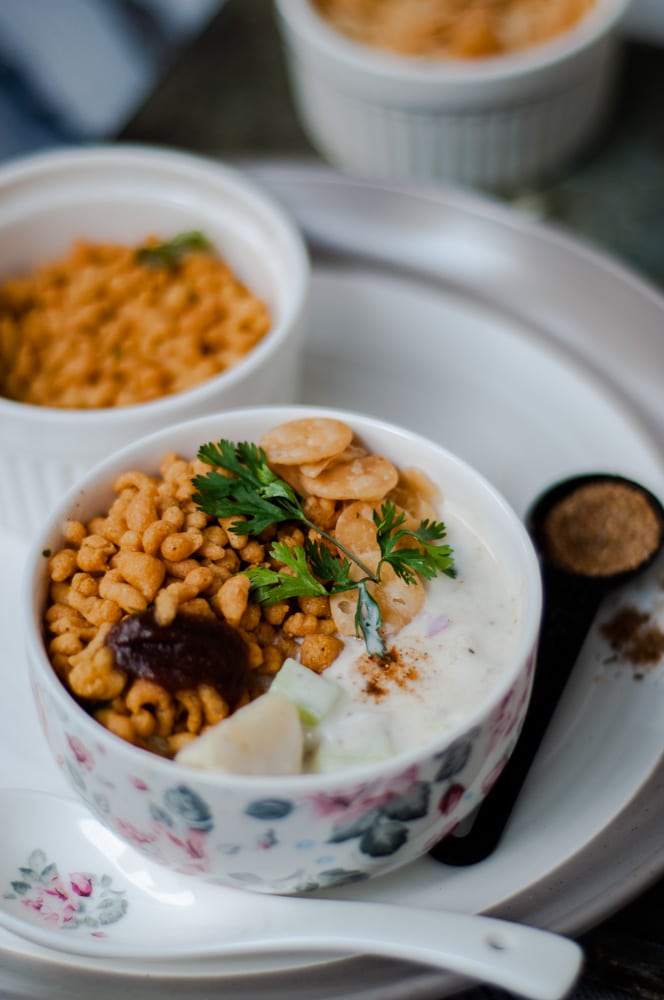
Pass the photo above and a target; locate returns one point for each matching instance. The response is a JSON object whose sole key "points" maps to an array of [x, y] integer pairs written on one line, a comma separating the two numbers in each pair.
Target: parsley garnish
{"points": [[250, 488], [170, 254]]}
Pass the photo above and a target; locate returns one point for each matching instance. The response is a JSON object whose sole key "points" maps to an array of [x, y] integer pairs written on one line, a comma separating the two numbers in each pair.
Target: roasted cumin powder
{"points": [[601, 528], [634, 636]]}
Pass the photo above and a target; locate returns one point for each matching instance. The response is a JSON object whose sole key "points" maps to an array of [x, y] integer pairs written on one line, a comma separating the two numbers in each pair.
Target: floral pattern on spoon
{"points": [[75, 901]]}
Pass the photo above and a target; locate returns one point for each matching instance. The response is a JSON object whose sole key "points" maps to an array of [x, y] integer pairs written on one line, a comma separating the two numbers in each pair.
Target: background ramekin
{"points": [[306, 831], [125, 193], [497, 123]]}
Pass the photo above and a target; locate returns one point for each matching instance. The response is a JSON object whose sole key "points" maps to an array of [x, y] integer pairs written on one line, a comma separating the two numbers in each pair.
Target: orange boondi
{"points": [[458, 29], [154, 551], [98, 328]]}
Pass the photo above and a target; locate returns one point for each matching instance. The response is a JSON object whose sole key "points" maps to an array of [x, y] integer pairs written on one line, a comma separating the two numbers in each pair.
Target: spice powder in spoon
{"points": [[600, 529]]}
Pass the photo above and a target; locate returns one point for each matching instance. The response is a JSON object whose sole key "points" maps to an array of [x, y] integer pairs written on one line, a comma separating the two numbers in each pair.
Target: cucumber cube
{"points": [[360, 738], [313, 695]]}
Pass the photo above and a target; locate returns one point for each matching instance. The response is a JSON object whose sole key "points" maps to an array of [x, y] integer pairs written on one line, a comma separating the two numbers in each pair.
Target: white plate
{"points": [[644, 21], [501, 388]]}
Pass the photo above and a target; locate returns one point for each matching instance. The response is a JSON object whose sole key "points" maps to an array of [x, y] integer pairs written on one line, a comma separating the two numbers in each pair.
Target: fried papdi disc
{"points": [[356, 530], [292, 475], [416, 494], [342, 609], [398, 601], [314, 469], [368, 478], [310, 439]]}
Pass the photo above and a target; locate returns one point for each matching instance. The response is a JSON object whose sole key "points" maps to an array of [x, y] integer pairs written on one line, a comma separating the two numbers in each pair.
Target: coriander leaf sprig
{"points": [[169, 254], [248, 487], [427, 559], [256, 492]]}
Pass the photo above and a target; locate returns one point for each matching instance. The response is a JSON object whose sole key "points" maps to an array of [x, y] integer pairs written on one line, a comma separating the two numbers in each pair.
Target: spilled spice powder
{"points": [[601, 528], [634, 636]]}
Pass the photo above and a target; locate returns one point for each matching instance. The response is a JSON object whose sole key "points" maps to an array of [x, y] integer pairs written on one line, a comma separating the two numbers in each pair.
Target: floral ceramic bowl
{"points": [[303, 831]]}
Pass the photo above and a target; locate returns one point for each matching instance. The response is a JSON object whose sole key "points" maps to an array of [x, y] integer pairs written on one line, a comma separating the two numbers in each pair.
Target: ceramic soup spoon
{"points": [[66, 882]]}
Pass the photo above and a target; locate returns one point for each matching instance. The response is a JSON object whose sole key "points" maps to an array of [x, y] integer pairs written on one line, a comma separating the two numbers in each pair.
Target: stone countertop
{"points": [[227, 96]]}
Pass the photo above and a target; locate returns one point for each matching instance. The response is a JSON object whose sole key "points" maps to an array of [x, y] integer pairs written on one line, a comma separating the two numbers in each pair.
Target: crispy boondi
{"points": [[99, 328], [460, 29]]}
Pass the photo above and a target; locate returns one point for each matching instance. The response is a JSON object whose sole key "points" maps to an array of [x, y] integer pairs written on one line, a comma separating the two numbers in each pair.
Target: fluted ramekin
{"points": [[126, 193], [498, 123]]}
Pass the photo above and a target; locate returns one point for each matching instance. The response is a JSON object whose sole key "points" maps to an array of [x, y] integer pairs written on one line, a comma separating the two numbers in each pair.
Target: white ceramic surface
{"points": [[292, 833], [68, 884], [586, 835], [496, 123], [127, 193], [645, 21]]}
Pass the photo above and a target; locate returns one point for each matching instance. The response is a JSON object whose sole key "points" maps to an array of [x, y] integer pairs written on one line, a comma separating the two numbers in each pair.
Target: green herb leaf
{"points": [[248, 487], [170, 253], [270, 586], [427, 560], [368, 621], [252, 489], [333, 571]]}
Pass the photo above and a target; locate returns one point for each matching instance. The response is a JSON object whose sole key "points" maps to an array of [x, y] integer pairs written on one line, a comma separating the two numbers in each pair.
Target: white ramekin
{"points": [[498, 123], [126, 193]]}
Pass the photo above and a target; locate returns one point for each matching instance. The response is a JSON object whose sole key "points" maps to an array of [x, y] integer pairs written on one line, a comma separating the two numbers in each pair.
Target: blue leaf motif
{"points": [[21, 887], [413, 805], [160, 815], [111, 910], [101, 805], [37, 859], [384, 838], [75, 776], [269, 809], [340, 876], [455, 758], [190, 806], [356, 827]]}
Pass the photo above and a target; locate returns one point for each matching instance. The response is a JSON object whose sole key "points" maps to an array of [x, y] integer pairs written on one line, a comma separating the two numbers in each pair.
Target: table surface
{"points": [[227, 96]]}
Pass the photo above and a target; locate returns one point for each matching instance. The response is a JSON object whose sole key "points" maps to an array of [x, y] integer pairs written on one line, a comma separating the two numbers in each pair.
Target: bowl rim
{"points": [[188, 166], [41, 667], [380, 65]]}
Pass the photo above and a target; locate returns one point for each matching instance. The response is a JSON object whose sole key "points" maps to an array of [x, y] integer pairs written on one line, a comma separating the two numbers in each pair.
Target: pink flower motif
{"points": [[451, 798], [196, 842], [160, 840], [510, 712], [133, 834], [193, 842], [52, 906], [139, 784], [364, 797], [82, 755], [81, 884], [56, 887]]}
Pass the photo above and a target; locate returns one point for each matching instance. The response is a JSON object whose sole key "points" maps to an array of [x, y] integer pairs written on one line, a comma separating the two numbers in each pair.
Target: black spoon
{"points": [[593, 533]]}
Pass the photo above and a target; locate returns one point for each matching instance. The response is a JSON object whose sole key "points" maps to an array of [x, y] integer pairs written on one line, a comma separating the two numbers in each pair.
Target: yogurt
{"points": [[440, 666]]}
